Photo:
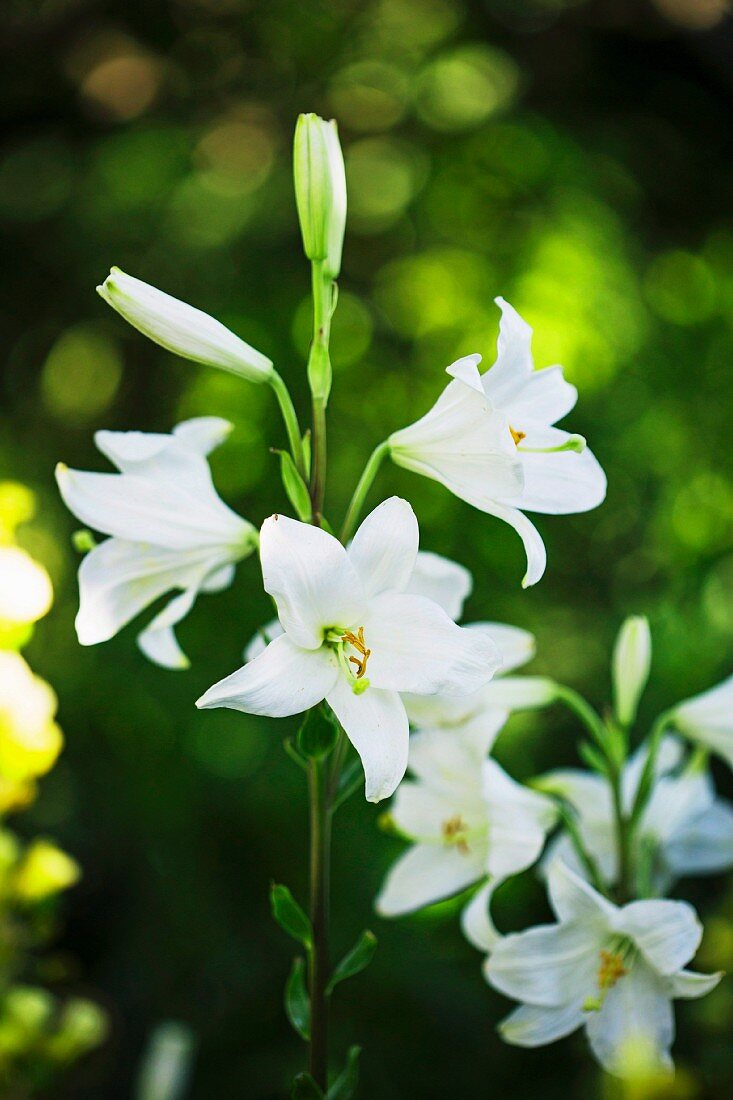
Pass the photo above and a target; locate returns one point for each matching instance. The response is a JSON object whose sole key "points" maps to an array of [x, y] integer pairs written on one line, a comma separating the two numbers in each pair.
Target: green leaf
{"points": [[307, 452], [317, 735], [290, 916], [297, 1004], [344, 1087], [355, 960], [593, 758], [305, 1088], [294, 486]]}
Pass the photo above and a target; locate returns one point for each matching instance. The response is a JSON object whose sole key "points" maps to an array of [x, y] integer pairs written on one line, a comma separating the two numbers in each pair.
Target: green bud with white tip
{"points": [[632, 657], [182, 329], [320, 191]]}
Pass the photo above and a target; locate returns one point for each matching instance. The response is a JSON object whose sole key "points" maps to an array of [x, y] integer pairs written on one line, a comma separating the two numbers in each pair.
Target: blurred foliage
{"points": [[574, 157], [41, 1034]]}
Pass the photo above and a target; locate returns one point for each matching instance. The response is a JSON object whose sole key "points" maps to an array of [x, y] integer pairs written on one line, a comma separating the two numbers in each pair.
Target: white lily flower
{"points": [[355, 637], [614, 970], [182, 329], [490, 440], [684, 829], [169, 530], [708, 719], [469, 822]]}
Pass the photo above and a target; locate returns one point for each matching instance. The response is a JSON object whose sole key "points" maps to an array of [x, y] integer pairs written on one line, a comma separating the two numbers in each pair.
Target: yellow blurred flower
{"points": [[25, 587], [30, 740], [43, 871]]}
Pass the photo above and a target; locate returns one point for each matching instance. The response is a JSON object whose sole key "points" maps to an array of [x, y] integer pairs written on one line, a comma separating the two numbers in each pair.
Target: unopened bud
{"points": [[632, 657], [320, 190]]}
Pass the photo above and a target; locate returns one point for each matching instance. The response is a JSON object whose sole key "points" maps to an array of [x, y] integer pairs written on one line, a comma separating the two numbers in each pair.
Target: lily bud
{"points": [[631, 662], [320, 190], [181, 328]]}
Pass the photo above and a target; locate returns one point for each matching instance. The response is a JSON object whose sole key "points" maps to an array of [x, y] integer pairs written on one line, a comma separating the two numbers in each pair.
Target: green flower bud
{"points": [[631, 662], [320, 190]]}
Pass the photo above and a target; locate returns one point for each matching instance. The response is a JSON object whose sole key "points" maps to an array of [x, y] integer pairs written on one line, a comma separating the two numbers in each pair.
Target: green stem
{"points": [[644, 788], [290, 418], [320, 868], [591, 867], [585, 712], [360, 492], [319, 378], [623, 836]]}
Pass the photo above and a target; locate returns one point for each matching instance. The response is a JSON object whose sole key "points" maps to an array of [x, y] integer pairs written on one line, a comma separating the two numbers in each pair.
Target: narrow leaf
{"points": [[294, 486], [297, 1004], [355, 960], [307, 452], [305, 1088], [290, 916], [317, 735], [593, 758], [344, 1087]]}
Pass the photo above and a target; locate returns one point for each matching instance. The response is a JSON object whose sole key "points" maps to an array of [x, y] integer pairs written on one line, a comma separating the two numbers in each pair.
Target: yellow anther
{"points": [[611, 969], [454, 830], [517, 436], [357, 640]]}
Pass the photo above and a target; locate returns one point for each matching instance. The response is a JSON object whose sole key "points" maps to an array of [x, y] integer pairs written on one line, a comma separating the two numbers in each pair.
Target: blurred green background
{"points": [[574, 157]]}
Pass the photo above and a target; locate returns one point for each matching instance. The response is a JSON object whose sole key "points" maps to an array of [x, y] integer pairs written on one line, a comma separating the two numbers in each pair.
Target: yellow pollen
{"points": [[611, 969], [357, 640], [517, 436], [453, 829]]}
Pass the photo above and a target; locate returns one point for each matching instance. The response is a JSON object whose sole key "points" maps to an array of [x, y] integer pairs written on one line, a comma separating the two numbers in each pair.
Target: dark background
{"points": [[574, 157]]}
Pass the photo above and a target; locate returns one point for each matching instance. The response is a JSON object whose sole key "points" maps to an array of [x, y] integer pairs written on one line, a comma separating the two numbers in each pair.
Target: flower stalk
{"points": [[360, 492], [320, 874]]}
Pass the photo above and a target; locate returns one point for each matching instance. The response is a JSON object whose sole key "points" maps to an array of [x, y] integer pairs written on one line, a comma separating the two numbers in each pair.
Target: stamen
{"points": [[357, 641], [517, 436], [454, 830], [613, 967]]}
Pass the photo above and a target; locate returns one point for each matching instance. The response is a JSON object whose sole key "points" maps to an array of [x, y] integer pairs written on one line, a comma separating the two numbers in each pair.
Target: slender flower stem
{"points": [[319, 377], [643, 790], [591, 867], [360, 492], [623, 835], [320, 873], [290, 417], [585, 712]]}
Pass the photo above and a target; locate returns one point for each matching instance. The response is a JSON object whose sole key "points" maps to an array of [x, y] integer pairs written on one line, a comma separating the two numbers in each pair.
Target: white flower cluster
{"points": [[367, 638], [611, 968]]}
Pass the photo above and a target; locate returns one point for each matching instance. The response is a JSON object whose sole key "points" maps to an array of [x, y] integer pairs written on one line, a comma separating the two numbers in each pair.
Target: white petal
{"points": [[219, 579], [417, 648], [516, 646], [667, 933], [117, 579], [384, 549], [423, 875], [689, 985], [376, 724], [462, 443], [258, 643], [513, 386], [203, 433], [550, 965], [450, 759], [708, 718], [310, 577], [469, 715], [561, 483], [519, 820], [573, 899], [441, 580], [520, 692], [704, 844], [476, 923], [283, 680], [533, 1026], [181, 328], [158, 641], [143, 509], [633, 1031]]}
